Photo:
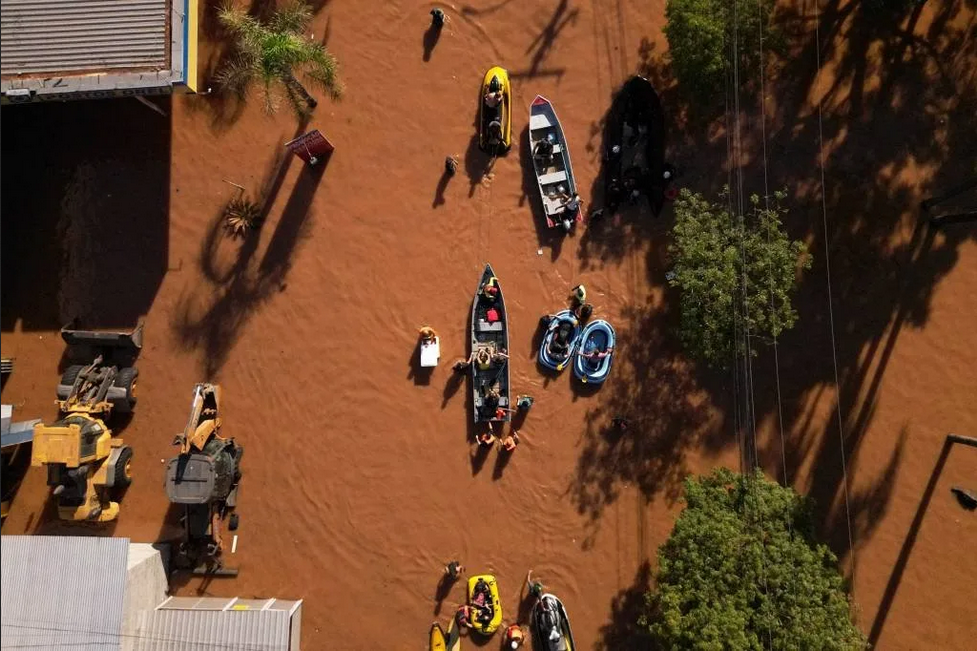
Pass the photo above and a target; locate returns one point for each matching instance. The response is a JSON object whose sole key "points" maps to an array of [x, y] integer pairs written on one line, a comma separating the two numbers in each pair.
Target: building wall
{"points": [[295, 633], [146, 586]]}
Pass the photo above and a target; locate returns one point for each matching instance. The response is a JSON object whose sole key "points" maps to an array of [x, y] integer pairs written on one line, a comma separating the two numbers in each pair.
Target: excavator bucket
{"points": [[131, 340]]}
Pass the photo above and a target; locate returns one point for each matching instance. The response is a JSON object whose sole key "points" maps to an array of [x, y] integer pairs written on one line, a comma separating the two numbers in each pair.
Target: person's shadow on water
{"points": [[442, 186], [441, 593], [431, 37]]}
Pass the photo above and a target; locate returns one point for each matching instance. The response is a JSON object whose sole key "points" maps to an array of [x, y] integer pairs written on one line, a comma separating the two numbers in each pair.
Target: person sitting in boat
{"points": [[495, 132], [543, 152], [596, 354], [491, 398], [490, 290], [561, 338], [485, 615], [481, 594], [494, 95], [482, 356], [571, 208]]}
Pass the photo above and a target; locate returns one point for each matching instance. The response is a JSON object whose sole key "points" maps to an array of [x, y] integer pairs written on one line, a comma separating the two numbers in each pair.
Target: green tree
{"points": [[274, 53], [700, 34], [715, 256], [741, 570]]}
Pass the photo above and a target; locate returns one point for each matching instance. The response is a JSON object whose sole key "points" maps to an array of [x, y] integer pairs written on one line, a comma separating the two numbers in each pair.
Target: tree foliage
{"points": [[700, 36], [720, 261], [741, 571], [273, 54]]}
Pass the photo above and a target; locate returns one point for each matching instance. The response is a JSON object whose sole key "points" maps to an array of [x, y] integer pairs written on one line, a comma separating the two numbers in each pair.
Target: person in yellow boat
{"points": [[494, 95], [495, 132], [482, 602]]}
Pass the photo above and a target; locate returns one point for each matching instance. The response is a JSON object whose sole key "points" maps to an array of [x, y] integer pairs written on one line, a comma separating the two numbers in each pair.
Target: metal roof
{"points": [[227, 630], [64, 36], [61, 592]]}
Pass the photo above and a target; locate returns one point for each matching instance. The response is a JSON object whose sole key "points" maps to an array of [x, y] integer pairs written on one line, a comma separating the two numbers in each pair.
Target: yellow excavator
{"points": [[85, 463], [204, 478]]}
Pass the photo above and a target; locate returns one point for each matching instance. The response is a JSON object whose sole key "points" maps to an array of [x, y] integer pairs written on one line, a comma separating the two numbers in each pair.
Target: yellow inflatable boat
{"points": [[495, 122], [483, 597]]}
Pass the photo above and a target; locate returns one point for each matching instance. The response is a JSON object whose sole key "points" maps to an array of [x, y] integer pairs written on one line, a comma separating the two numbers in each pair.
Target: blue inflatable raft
{"points": [[560, 341], [595, 353]]}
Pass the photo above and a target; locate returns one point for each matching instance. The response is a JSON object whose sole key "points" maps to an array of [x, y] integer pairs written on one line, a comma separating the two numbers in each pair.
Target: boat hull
{"points": [[546, 357], [490, 330], [487, 114], [554, 173]]}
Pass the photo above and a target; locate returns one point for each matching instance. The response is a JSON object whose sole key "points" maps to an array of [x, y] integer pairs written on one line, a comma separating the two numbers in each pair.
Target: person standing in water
{"points": [[510, 442], [579, 295], [453, 570], [535, 587], [514, 637], [450, 165], [438, 18]]}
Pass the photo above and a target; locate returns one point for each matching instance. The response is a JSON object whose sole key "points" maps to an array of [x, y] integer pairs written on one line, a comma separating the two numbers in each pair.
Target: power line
{"points": [[831, 316], [749, 398]]}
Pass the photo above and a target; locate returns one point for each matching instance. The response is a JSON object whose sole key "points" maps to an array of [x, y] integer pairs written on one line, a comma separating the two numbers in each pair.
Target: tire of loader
{"points": [[71, 374], [123, 469], [233, 523], [126, 379]]}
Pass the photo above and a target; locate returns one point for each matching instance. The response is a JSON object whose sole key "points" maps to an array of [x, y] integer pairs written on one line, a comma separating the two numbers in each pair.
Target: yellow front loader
{"points": [[85, 463]]}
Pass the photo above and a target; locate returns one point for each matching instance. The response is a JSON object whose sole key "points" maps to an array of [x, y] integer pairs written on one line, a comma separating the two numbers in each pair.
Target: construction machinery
{"points": [[85, 463], [204, 479]]}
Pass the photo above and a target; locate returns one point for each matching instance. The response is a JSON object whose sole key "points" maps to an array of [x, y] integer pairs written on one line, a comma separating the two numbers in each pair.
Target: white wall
{"points": [[146, 587]]}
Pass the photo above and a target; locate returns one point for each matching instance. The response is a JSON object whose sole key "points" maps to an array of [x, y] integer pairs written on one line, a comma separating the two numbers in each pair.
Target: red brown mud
{"points": [[361, 479]]}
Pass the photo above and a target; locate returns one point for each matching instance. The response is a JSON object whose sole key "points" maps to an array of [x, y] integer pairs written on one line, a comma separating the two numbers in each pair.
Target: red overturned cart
{"points": [[310, 147]]}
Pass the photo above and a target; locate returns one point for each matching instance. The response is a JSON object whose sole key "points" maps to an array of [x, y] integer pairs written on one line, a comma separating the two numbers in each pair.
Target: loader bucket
{"points": [[131, 340]]}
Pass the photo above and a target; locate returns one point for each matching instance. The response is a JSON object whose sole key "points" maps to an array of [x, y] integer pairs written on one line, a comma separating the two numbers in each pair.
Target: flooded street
{"points": [[361, 477]]}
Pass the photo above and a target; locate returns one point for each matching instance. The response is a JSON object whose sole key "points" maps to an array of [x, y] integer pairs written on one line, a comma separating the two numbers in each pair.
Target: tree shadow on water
{"points": [[669, 408], [885, 263], [622, 632], [543, 43], [902, 71], [211, 319]]}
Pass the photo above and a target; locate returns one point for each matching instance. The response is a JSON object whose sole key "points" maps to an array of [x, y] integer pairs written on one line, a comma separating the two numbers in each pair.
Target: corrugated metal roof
{"points": [[237, 630], [60, 36], [62, 593]]}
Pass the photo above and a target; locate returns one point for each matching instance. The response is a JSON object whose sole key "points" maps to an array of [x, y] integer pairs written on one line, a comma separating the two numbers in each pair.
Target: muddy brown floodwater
{"points": [[361, 478]]}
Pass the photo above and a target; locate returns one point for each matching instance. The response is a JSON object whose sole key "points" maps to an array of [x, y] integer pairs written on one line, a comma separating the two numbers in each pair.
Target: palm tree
{"points": [[273, 52]]}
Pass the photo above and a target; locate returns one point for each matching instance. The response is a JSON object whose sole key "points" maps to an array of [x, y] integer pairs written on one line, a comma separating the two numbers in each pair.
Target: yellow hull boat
{"points": [[482, 624], [502, 113]]}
